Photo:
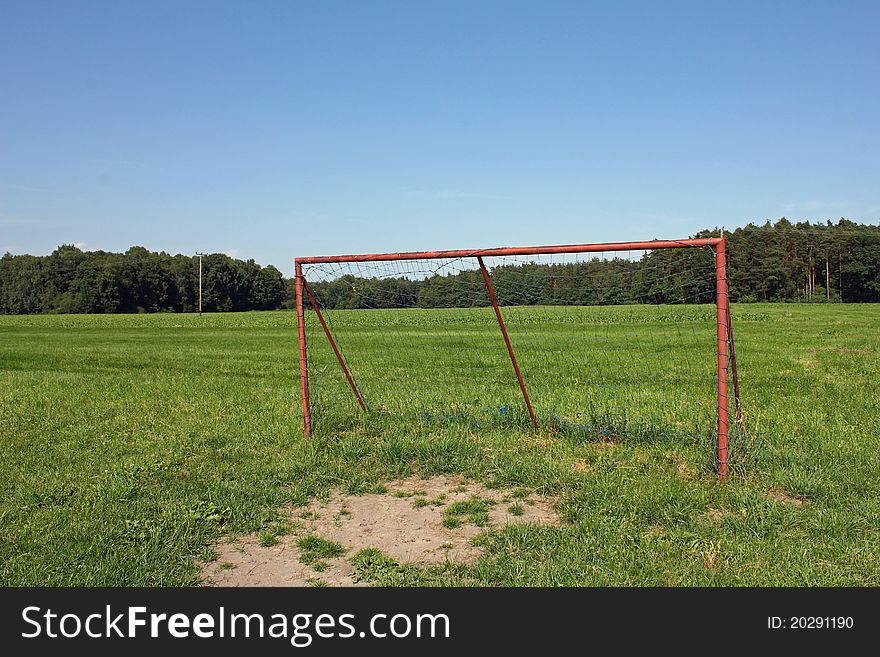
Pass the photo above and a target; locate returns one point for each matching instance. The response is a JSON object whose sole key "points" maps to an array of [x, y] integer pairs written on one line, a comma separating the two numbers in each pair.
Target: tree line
{"points": [[70, 280], [781, 262], [805, 262], [788, 262]]}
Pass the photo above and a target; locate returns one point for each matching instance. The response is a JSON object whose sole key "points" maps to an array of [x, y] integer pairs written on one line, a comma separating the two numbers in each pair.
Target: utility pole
{"points": [[200, 281]]}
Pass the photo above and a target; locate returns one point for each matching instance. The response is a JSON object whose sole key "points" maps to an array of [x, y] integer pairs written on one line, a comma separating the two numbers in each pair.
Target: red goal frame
{"points": [[726, 351]]}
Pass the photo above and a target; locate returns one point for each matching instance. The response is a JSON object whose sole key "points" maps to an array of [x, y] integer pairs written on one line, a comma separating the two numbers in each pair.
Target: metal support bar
{"points": [[522, 386], [518, 250], [333, 344], [723, 312], [740, 418], [303, 366]]}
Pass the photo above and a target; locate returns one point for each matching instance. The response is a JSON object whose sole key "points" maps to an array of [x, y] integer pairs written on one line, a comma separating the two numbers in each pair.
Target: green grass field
{"points": [[129, 443]]}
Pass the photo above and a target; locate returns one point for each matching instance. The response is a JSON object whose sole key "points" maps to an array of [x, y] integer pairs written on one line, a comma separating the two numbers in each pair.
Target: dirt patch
{"points": [[684, 470], [715, 515], [423, 521], [582, 466], [655, 531], [244, 562], [779, 495]]}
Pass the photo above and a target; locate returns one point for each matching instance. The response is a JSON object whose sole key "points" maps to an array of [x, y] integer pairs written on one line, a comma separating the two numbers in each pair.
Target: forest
{"points": [[779, 262], [805, 262], [73, 281]]}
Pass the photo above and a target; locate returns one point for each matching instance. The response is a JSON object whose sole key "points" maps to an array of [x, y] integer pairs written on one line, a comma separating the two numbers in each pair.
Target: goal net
{"points": [[606, 341]]}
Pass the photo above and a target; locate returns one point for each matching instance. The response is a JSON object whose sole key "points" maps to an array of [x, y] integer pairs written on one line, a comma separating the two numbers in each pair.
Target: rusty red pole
{"points": [[517, 250], [303, 364], [522, 386], [333, 344], [723, 312]]}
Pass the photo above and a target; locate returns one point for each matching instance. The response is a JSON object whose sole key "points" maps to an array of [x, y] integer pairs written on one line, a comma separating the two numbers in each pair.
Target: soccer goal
{"points": [[611, 341]]}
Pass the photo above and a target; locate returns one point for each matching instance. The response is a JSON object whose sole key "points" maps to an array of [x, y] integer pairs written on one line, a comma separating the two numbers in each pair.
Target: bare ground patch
{"points": [[779, 495], [717, 516], [422, 521]]}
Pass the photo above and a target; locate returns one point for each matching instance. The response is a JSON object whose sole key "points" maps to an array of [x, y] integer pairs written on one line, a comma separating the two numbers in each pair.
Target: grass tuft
{"points": [[314, 548]]}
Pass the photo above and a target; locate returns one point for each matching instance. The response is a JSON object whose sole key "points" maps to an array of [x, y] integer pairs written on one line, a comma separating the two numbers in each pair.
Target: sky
{"points": [[270, 130]]}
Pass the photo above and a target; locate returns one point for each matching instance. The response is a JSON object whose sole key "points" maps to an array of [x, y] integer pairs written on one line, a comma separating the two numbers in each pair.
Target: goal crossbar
{"points": [[726, 355], [515, 250]]}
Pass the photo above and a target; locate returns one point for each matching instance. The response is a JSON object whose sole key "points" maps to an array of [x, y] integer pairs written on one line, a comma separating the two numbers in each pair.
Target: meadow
{"points": [[129, 443]]}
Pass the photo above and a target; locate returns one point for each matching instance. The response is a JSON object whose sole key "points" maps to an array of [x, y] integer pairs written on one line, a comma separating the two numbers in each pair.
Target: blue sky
{"points": [[274, 129]]}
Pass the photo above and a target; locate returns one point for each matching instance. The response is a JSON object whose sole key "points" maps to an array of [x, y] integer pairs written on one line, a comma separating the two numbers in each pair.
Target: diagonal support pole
{"points": [[740, 419], [522, 386], [333, 344]]}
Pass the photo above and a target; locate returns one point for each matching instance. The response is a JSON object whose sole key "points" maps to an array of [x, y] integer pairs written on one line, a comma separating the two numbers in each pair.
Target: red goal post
{"points": [[726, 355]]}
